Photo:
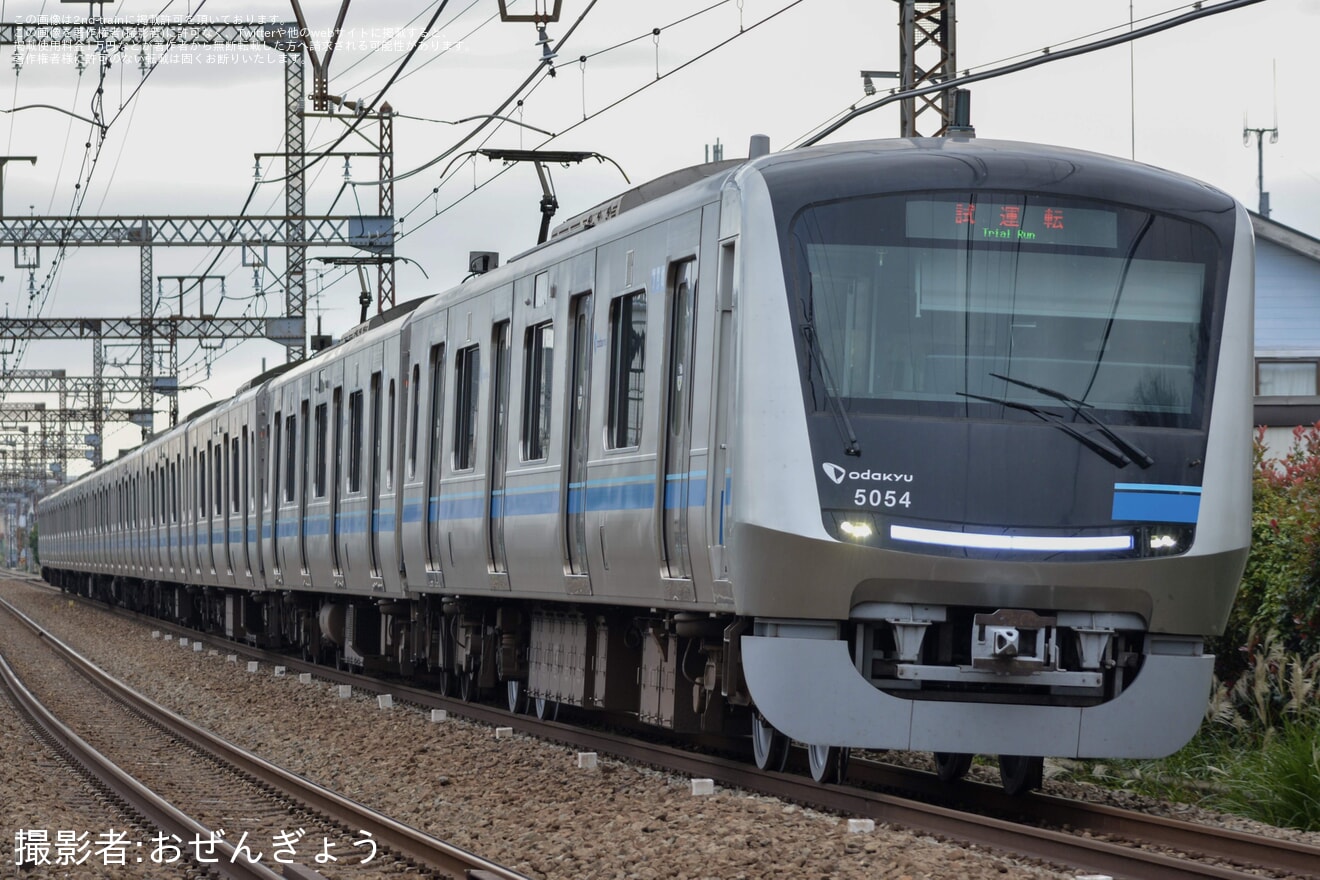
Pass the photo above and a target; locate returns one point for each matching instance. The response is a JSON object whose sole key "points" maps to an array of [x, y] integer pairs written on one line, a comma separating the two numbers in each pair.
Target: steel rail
{"points": [[140, 799], [1003, 835], [388, 833]]}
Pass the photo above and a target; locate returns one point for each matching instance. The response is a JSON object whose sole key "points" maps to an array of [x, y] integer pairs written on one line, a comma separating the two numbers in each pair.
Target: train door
{"points": [[299, 478], [677, 475], [373, 492], [719, 486], [162, 537], [337, 476], [210, 465], [579, 416], [231, 502], [245, 501], [499, 437], [176, 543], [434, 454], [159, 521], [273, 491]]}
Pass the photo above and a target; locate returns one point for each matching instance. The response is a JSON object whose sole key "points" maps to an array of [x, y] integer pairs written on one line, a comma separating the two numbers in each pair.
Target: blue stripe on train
{"points": [[1152, 502], [614, 493]]}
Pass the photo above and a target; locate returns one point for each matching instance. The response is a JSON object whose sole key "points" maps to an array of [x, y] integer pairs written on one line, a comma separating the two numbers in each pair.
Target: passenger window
{"points": [[437, 365], [290, 456], [355, 414], [218, 473], [540, 347], [627, 369], [235, 477], [467, 378], [318, 465]]}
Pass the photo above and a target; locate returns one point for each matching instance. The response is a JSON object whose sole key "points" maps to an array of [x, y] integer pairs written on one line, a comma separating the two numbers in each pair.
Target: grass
{"points": [[1273, 778], [1279, 783], [1257, 755]]}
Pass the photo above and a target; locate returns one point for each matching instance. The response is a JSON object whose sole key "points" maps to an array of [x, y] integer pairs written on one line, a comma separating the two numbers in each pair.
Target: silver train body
{"points": [[935, 445]]}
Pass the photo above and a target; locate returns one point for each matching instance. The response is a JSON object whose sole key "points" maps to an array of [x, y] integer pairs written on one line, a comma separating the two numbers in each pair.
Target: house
{"points": [[1287, 331]]}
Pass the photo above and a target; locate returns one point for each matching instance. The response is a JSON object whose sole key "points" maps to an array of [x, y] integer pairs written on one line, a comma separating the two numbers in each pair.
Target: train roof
{"points": [[904, 164], [641, 194]]}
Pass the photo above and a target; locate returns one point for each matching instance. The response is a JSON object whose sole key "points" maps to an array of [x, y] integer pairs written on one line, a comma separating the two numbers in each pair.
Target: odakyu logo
{"points": [[838, 474]]}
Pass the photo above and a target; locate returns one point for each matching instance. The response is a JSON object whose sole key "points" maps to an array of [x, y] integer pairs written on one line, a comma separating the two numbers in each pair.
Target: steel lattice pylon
{"points": [[926, 55]]}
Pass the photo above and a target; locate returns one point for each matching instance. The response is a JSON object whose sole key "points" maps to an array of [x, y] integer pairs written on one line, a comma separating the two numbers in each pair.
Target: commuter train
{"points": [[928, 444]]}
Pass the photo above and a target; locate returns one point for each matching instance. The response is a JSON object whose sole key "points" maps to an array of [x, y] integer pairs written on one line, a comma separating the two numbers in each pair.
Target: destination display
{"points": [[1002, 221]]}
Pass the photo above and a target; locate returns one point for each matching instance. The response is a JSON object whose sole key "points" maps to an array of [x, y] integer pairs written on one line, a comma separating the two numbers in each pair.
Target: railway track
{"points": [[1088, 837], [1083, 837], [224, 810]]}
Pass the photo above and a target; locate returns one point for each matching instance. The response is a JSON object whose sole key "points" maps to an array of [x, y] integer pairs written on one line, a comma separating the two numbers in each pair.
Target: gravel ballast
{"points": [[517, 801]]}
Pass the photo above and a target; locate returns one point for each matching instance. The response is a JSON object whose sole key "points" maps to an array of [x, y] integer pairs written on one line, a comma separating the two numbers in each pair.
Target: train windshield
{"points": [[968, 303]]}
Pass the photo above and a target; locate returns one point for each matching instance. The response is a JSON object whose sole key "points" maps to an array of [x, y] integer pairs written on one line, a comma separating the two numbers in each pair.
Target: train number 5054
{"points": [[882, 498]]}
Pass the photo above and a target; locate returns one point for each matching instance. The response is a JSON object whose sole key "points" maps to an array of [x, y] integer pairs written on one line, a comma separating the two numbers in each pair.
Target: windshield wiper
{"points": [[1079, 406], [843, 422], [1109, 454]]}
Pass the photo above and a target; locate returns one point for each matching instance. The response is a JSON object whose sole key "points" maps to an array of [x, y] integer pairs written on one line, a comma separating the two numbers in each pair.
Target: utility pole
{"points": [[321, 101], [1260, 161]]}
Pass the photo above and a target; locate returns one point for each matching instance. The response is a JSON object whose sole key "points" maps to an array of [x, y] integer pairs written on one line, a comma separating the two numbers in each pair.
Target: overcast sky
{"points": [[183, 141]]}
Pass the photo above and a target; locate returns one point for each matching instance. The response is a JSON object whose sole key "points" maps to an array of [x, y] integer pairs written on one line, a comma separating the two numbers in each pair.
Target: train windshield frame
{"points": [[995, 304]]}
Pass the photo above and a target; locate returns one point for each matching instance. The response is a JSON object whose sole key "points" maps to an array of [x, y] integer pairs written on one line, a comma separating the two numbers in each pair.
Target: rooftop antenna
{"points": [[1260, 133]]}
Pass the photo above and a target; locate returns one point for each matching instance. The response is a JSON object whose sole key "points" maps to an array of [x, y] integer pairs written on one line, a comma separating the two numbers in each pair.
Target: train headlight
{"points": [[852, 526], [1163, 542], [856, 529]]}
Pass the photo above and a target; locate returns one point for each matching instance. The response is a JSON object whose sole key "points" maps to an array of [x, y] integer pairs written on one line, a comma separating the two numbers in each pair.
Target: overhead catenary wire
{"points": [[1198, 12], [630, 95], [488, 118], [467, 195], [91, 156]]}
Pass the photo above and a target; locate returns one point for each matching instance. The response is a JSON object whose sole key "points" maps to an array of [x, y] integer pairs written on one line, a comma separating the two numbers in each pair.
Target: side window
{"points": [[627, 369], [537, 383], [290, 456], [236, 475], [1279, 378], [201, 483], [355, 413], [273, 451], [437, 366], [218, 467], [319, 435], [304, 454], [467, 378], [375, 431]]}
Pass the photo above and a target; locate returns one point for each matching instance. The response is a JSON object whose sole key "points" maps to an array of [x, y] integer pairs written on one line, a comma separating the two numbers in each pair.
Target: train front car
{"points": [[1000, 493]]}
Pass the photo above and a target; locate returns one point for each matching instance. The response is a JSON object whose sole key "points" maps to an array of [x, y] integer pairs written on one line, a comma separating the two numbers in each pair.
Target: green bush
{"points": [[1280, 589]]}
